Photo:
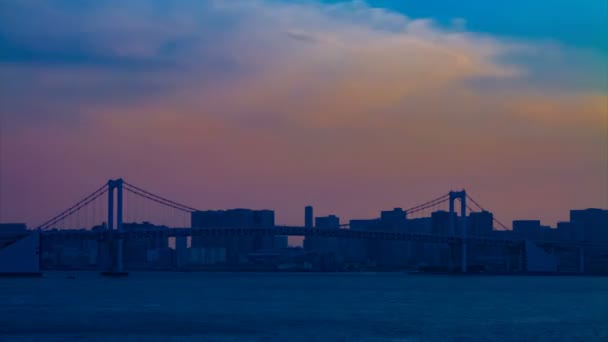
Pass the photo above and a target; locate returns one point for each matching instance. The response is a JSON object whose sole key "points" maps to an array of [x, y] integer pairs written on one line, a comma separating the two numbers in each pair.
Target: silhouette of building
{"points": [[233, 218], [232, 250], [590, 224], [527, 229], [147, 251], [565, 231], [12, 228], [480, 223], [548, 233], [327, 222], [308, 217], [539, 260], [361, 252], [280, 242], [391, 254], [438, 255], [393, 219], [376, 253], [440, 223], [418, 253], [328, 248]]}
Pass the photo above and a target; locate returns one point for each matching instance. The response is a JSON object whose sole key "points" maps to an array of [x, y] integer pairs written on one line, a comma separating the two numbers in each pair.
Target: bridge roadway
{"points": [[303, 231], [287, 231]]}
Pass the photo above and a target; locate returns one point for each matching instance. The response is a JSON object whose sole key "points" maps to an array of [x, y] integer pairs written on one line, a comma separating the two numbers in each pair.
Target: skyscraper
{"points": [[590, 224], [308, 217]]}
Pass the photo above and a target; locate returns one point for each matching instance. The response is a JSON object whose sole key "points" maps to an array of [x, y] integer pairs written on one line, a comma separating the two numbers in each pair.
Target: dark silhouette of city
{"points": [[423, 238]]}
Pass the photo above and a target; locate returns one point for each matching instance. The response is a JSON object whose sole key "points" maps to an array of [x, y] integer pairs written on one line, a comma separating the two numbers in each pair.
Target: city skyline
{"points": [[241, 239], [352, 107], [179, 216], [92, 210]]}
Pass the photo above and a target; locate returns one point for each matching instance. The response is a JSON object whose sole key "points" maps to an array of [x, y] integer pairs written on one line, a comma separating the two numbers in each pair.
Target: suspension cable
{"points": [[160, 198], [103, 188], [427, 204], [494, 218], [157, 200], [440, 199], [68, 213], [67, 217]]}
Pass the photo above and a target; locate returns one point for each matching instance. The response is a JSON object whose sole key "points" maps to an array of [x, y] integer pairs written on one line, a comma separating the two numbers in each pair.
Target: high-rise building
{"points": [[590, 224], [324, 245], [440, 221], [372, 224], [308, 217], [232, 250], [327, 222], [480, 223], [360, 250], [565, 231], [233, 218], [392, 219]]}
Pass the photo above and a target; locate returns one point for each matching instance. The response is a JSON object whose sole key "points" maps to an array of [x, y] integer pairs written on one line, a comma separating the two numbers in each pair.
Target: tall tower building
{"points": [[308, 217]]}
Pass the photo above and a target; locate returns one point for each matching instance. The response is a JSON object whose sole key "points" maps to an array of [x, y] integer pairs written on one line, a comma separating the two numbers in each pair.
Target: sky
{"points": [[350, 106]]}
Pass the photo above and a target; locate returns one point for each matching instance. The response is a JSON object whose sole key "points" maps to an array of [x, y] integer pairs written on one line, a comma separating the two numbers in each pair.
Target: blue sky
{"points": [[580, 23]]}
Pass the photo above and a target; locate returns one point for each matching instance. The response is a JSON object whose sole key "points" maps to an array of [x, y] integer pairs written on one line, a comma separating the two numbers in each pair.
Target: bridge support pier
{"points": [[181, 250]]}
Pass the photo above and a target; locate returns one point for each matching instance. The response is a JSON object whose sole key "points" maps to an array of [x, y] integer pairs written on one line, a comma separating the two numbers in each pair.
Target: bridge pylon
{"points": [[116, 242], [462, 196]]}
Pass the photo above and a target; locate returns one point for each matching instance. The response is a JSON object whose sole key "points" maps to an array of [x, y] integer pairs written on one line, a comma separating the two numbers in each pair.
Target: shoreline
{"points": [[263, 271]]}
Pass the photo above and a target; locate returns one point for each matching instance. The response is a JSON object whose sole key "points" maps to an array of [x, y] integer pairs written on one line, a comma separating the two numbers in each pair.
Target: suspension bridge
{"points": [[103, 214]]}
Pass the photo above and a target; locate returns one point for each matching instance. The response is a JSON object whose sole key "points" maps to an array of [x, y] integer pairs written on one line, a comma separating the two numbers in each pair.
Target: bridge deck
{"points": [[303, 231], [286, 231]]}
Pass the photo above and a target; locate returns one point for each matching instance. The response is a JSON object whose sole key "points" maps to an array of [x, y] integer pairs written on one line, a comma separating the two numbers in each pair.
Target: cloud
{"points": [[272, 104], [301, 36]]}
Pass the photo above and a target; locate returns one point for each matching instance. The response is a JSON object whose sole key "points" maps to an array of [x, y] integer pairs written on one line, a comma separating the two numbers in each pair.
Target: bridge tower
{"points": [[116, 267], [462, 196]]}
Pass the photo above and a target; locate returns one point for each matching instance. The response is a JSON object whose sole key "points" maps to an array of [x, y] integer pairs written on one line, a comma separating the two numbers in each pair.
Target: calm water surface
{"points": [[303, 307]]}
